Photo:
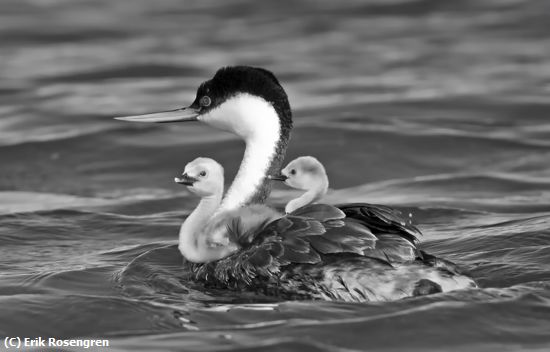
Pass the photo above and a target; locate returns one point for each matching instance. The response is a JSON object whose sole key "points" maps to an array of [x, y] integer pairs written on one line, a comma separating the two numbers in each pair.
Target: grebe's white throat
{"points": [[257, 123]]}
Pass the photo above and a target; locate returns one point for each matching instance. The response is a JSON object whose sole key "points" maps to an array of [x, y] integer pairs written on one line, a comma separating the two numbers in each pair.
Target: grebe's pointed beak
{"points": [[178, 115], [277, 177]]}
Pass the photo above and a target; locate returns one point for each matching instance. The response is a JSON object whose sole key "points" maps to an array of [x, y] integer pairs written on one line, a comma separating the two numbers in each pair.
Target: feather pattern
{"points": [[396, 239], [354, 252], [303, 254]]}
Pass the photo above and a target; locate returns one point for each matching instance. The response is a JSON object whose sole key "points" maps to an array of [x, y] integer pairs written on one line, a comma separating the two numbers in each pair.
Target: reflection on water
{"points": [[437, 107]]}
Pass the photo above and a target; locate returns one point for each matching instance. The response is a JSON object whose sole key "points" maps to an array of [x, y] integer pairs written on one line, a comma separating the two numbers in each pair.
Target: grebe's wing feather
{"points": [[393, 248], [366, 229], [396, 238], [381, 219]]}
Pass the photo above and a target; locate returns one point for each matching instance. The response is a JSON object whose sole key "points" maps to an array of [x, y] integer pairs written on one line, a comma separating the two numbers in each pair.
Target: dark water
{"points": [[438, 107]]}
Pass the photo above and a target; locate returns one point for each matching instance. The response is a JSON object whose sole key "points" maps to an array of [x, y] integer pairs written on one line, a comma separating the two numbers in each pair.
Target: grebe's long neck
{"points": [[192, 227], [266, 141]]}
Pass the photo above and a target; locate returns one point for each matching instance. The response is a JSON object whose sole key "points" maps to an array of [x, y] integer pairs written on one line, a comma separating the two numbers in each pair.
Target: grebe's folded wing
{"points": [[366, 229], [396, 238], [381, 219]]}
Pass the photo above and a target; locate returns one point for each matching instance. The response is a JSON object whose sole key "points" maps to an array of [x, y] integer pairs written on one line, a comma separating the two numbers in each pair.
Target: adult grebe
{"points": [[318, 251], [305, 173]]}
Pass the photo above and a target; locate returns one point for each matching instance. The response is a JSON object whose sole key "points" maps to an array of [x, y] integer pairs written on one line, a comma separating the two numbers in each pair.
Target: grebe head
{"points": [[203, 177], [238, 99], [303, 173]]}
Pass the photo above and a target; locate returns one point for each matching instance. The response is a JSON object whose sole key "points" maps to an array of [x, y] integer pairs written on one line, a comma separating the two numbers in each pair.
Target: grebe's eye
{"points": [[293, 172], [202, 174], [205, 101]]}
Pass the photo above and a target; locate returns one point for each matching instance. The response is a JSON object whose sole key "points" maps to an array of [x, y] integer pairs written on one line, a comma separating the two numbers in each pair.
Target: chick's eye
{"points": [[203, 173], [205, 101], [293, 172]]}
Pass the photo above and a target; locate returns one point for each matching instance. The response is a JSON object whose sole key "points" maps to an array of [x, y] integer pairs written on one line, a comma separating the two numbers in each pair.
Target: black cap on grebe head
{"points": [[228, 84]]}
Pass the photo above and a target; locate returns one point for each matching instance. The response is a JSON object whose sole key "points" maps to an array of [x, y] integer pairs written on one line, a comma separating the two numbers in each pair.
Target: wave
{"points": [[128, 71], [458, 138]]}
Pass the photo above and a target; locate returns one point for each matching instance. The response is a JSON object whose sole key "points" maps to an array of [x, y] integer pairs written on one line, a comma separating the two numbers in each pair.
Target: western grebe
{"points": [[318, 251]]}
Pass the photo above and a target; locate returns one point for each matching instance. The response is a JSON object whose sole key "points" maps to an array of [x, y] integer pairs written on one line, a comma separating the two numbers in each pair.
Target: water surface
{"points": [[439, 108]]}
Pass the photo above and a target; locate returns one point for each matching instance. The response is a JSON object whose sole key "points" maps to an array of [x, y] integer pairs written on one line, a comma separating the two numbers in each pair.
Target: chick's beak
{"points": [[279, 177], [185, 180]]}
